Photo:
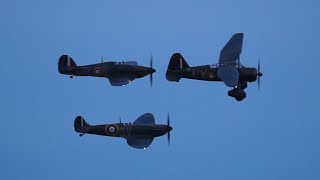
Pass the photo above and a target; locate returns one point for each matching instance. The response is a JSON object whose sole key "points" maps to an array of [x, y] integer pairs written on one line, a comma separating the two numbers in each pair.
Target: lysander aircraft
{"points": [[139, 134], [229, 70], [118, 73]]}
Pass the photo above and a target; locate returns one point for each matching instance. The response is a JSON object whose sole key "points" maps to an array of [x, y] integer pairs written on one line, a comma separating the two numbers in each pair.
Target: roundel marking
{"points": [[111, 129], [97, 70], [211, 75]]}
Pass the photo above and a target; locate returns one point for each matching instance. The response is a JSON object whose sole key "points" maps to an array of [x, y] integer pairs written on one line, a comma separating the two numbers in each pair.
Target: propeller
{"points": [[168, 124], [259, 74], [151, 74]]}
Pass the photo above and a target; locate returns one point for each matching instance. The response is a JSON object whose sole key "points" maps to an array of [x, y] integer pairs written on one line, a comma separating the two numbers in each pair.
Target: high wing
{"points": [[232, 50], [229, 75], [139, 142], [119, 81], [146, 118]]}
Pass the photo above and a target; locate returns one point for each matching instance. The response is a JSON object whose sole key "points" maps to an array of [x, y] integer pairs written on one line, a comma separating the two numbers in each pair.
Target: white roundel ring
{"points": [[97, 71], [211, 75], [112, 129]]}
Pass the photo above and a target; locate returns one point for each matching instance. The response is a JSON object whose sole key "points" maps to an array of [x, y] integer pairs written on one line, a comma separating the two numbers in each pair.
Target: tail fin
{"points": [[65, 63], [80, 125], [177, 62]]}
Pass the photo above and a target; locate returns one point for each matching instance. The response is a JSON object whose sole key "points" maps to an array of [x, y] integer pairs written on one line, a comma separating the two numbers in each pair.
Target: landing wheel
{"points": [[240, 97], [243, 85], [237, 93], [71, 77]]}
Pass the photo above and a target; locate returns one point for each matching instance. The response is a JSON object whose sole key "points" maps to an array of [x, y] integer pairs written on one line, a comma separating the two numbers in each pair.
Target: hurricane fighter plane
{"points": [[139, 134], [118, 73], [229, 70]]}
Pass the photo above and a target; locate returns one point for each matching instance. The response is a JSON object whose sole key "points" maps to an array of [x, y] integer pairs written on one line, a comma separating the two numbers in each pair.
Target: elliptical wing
{"points": [[146, 118], [139, 142], [119, 81]]}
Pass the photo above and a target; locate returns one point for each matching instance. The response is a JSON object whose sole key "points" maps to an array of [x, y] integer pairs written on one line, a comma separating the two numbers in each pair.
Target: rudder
{"points": [[80, 125], [65, 63], [177, 62]]}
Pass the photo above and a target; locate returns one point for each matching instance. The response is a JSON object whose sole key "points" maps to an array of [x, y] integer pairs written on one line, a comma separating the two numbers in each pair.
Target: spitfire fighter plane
{"points": [[229, 70], [118, 73], [139, 134]]}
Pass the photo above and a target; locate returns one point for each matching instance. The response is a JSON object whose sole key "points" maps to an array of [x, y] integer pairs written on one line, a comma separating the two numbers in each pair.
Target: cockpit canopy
{"points": [[128, 62]]}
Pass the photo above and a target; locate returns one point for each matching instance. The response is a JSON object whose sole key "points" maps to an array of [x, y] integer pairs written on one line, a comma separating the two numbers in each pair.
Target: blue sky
{"points": [[273, 134]]}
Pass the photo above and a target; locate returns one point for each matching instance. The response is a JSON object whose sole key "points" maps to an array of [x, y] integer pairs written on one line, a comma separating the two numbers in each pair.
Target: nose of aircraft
{"points": [[148, 70], [151, 70], [170, 128]]}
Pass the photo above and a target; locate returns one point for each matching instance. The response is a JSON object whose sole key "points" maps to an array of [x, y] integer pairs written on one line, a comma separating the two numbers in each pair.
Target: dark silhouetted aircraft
{"points": [[139, 134], [229, 70], [118, 73]]}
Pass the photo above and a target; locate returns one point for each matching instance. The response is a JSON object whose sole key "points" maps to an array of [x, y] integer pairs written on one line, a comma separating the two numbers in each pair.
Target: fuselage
{"points": [[109, 70], [126, 130], [209, 73]]}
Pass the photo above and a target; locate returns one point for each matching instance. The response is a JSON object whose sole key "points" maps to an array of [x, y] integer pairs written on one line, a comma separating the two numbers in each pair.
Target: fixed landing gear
{"points": [[243, 85], [237, 93], [71, 77]]}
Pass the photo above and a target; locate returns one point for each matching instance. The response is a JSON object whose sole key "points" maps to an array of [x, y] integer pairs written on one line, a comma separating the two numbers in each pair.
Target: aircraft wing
{"points": [[229, 75], [146, 118], [139, 142], [119, 81], [232, 50]]}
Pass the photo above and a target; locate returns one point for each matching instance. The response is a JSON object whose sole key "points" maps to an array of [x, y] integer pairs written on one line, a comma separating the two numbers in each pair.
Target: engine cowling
{"points": [[249, 74]]}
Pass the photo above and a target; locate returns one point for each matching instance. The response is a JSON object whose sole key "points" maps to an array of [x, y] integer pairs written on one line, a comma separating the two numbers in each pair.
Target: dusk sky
{"points": [[272, 134]]}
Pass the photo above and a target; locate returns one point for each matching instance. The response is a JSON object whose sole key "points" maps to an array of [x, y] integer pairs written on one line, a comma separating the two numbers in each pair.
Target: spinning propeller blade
{"points": [[168, 124], [259, 74], [151, 66]]}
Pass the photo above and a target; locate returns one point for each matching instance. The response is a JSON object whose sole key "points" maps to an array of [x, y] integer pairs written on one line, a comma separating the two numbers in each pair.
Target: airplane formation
{"points": [[143, 130]]}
